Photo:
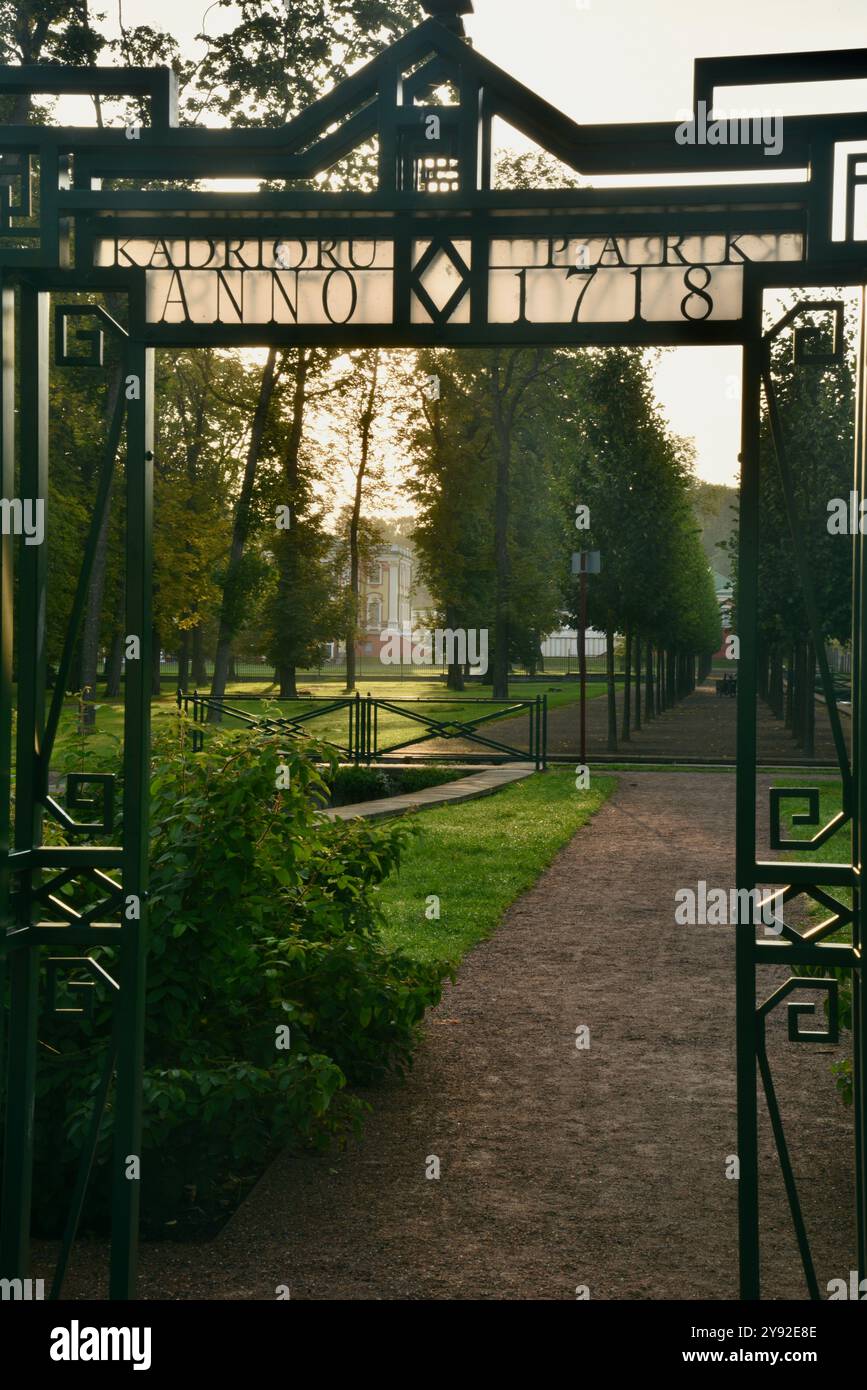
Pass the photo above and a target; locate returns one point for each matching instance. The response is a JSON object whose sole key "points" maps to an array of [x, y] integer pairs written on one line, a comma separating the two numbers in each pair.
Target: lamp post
{"points": [[584, 562]]}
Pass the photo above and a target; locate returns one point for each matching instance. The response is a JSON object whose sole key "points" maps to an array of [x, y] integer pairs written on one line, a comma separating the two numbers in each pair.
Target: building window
{"points": [[374, 612], [375, 574]]}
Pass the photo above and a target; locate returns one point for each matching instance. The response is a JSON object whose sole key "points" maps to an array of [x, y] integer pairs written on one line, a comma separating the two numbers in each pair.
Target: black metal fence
{"points": [[375, 728]]}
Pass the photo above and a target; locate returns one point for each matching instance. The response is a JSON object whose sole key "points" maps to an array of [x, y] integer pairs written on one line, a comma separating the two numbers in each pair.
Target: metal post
{"points": [[538, 733], [7, 489], [745, 969], [23, 956], [129, 1032], [582, 663], [859, 771]]}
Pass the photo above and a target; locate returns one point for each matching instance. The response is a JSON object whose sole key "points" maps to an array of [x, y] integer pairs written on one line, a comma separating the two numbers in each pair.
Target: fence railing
{"points": [[201, 707], [373, 724]]}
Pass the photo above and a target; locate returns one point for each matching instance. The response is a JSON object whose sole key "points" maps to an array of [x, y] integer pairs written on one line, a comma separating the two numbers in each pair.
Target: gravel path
{"points": [[559, 1167]]}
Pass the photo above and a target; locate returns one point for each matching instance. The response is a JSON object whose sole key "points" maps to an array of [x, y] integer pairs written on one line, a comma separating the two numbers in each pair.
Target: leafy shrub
{"points": [[262, 916], [352, 784]]}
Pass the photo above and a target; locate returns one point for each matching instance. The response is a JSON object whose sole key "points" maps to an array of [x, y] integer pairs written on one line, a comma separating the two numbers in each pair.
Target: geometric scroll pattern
{"points": [[104, 904], [829, 1034], [76, 801], [818, 343]]}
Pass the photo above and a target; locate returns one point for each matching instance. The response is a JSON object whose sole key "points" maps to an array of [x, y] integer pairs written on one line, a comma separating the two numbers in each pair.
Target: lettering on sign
{"points": [[657, 278], [240, 280], [627, 279]]}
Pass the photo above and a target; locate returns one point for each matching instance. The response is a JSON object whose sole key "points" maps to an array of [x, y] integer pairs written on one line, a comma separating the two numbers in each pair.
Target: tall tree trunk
{"points": [[287, 677], [199, 667], [367, 417], [506, 390], [777, 682], [184, 661], [287, 557], [809, 700], [649, 702], [790, 685], [612, 689], [156, 682], [502, 559], [240, 532], [88, 652], [625, 729], [114, 666], [455, 679], [638, 682], [762, 658], [798, 706]]}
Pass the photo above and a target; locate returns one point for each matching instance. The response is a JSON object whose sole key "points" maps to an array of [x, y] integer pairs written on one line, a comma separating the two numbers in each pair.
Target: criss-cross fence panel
{"points": [[444, 723], [204, 708], [445, 731]]}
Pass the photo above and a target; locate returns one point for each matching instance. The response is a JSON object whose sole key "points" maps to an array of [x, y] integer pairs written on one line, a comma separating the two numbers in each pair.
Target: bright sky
{"points": [[626, 60]]}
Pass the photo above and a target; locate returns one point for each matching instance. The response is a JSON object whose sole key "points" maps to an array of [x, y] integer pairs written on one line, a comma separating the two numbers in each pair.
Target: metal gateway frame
{"points": [[77, 205]]}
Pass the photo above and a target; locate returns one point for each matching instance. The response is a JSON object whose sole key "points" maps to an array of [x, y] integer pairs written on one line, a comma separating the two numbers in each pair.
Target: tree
{"points": [[202, 425], [301, 611], [365, 399], [816, 416], [476, 448], [450, 483], [633, 478]]}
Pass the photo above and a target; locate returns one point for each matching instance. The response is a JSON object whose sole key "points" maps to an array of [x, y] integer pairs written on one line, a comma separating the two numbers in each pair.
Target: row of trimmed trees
{"points": [[816, 415], [529, 455]]}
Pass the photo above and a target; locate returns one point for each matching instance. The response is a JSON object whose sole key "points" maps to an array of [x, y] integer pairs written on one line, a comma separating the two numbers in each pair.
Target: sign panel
{"points": [[253, 280], [587, 562], [628, 279]]}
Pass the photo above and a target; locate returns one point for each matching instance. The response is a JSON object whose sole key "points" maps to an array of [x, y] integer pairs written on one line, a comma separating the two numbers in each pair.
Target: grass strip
{"points": [[477, 858]]}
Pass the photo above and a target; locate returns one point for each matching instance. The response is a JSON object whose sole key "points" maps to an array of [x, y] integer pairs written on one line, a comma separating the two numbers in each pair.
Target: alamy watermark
{"points": [[701, 127], [442, 647], [77, 1343], [22, 1290], [847, 517], [722, 907], [23, 517], [856, 1288]]}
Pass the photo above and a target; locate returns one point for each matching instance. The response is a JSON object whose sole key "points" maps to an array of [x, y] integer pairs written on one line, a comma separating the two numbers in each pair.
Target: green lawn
{"points": [[478, 858]]}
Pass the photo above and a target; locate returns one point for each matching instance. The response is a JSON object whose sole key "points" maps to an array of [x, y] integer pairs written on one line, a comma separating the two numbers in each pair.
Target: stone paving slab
{"points": [[483, 783]]}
